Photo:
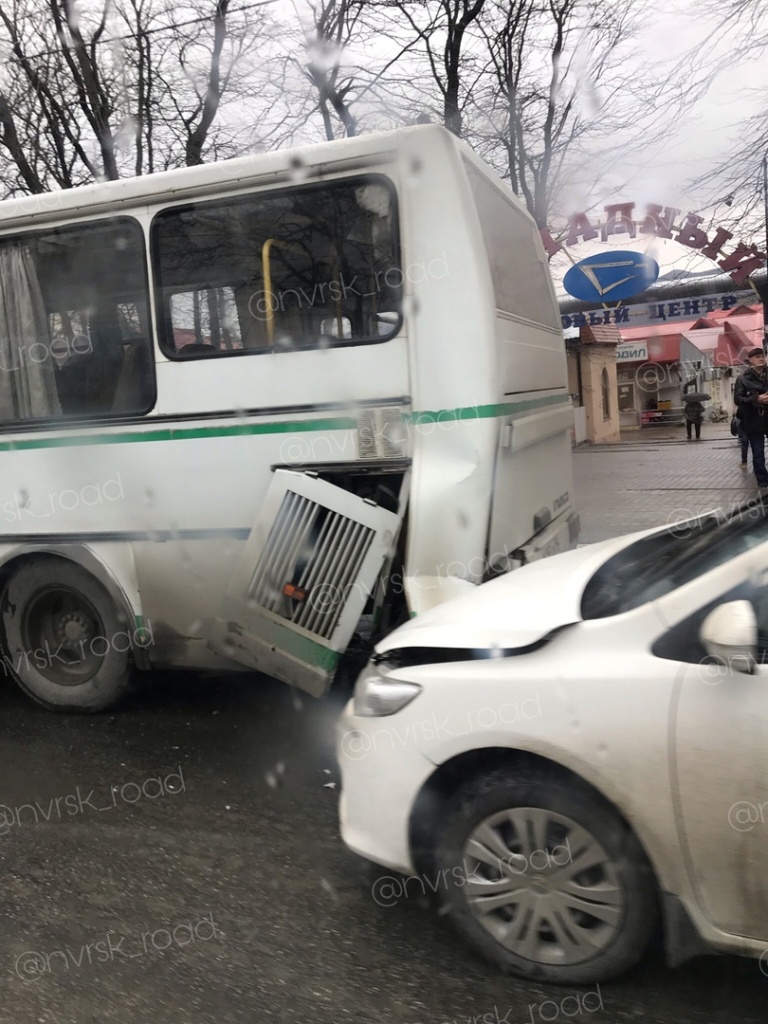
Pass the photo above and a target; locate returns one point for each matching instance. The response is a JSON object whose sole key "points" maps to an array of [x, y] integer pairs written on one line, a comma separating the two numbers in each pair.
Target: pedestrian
{"points": [[694, 414], [751, 397]]}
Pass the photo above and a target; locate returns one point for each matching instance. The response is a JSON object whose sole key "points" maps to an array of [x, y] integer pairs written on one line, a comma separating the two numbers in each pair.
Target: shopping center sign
{"points": [[645, 313], [659, 221]]}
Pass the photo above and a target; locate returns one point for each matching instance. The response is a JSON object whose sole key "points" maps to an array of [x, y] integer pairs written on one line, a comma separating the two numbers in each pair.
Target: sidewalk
{"points": [[709, 431], [638, 484]]}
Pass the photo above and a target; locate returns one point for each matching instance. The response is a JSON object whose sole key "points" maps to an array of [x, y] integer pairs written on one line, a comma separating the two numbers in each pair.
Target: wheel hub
{"points": [[565, 911], [60, 621], [73, 628]]}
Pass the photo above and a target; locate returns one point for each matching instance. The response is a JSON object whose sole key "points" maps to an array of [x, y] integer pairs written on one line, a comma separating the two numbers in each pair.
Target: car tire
{"points": [[56, 617], [545, 886]]}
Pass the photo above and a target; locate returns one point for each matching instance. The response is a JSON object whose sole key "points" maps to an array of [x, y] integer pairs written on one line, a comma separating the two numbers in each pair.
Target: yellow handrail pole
{"points": [[266, 272], [339, 317]]}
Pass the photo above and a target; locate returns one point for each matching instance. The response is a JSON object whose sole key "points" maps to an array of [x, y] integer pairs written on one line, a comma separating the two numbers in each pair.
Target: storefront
{"points": [[657, 365]]}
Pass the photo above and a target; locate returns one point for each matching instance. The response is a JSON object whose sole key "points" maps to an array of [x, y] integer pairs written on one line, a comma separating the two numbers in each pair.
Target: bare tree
{"points": [[338, 71], [444, 29], [558, 88], [740, 31], [116, 88], [335, 22]]}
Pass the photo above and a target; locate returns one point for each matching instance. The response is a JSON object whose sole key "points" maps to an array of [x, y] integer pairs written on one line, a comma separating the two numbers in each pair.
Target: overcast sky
{"points": [[700, 139]]}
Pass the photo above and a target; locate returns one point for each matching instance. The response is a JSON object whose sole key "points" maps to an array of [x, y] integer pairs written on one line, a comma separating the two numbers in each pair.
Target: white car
{"points": [[576, 754]]}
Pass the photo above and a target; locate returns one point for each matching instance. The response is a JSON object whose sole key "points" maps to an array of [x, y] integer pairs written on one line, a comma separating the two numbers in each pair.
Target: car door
{"points": [[718, 749]]}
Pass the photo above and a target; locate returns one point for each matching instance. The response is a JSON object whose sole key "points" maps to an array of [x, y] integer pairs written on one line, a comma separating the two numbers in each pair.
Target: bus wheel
{"points": [[65, 643]]}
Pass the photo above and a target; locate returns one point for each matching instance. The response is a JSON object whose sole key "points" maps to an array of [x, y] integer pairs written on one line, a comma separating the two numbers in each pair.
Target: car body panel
{"points": [[682, 758], [543, 595]]}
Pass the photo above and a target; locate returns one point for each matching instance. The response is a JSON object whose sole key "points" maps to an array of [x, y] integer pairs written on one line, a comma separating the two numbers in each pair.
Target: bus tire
{"points": [[60, 631]]}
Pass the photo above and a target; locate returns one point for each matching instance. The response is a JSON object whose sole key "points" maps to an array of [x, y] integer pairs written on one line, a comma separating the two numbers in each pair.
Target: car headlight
{"points": [[376, 696]]}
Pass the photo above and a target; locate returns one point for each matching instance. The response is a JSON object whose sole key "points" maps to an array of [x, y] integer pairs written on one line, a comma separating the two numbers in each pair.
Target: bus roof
{"points": [[257, 169]]}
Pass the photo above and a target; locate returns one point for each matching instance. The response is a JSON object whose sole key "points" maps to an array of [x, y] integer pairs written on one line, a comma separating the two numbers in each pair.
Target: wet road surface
{"points": [[179, 861]]}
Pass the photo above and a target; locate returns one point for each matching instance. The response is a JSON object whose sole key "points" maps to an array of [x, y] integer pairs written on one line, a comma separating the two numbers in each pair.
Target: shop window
{"points": [[626, 397]]}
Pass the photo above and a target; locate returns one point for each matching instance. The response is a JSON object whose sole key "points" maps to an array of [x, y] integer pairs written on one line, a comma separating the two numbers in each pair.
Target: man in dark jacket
{"points": [[751, 397]]}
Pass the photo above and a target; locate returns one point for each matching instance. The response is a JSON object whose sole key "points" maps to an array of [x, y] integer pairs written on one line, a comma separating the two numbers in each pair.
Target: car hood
{"points": [[514, 610]]}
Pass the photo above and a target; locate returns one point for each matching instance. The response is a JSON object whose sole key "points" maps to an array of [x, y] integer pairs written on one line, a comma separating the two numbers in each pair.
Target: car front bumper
{"points": [[381, 776]]}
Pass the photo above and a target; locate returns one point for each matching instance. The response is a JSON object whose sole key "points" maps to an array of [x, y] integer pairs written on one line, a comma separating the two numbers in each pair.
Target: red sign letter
{"points": [[721, 237], [691, 234], [550, 245], [619, 221], [655, 224], [742, 261], [579, 225]]}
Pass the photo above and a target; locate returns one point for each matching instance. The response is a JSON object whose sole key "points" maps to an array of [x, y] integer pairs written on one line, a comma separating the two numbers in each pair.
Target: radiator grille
{"points": [[381, 434], [366, 436], [316, 550]]}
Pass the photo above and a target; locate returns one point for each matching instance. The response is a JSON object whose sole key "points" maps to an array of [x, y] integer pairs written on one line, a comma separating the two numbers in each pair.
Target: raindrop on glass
{"points": [[298, 169]]}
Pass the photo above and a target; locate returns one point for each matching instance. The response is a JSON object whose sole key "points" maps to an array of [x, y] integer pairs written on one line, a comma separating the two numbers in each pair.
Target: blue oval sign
{"points": [[610, 276]]}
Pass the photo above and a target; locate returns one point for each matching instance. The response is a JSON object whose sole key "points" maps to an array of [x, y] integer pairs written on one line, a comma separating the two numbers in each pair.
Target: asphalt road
{"points": [[179, 862]]}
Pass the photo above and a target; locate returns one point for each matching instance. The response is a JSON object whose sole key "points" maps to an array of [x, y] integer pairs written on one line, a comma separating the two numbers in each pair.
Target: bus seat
{"points": [[130, 391]]}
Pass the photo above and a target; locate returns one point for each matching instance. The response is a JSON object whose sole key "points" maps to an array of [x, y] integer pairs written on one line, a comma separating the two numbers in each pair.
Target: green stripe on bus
{"points": [[482, 412], [309, 651], [180, 434], [472, 412]]}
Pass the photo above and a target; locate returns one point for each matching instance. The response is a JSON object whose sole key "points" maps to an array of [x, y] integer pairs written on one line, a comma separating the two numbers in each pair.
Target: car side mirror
{"points": [[729, 633]]}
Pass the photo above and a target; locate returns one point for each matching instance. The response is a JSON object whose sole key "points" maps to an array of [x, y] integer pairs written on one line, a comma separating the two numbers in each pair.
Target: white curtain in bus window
{"points": [[27, 384], [303, 268], [74, 328]]}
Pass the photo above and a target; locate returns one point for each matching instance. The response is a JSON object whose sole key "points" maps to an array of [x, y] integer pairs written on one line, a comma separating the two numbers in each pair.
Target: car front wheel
{"points": [[545, 879]]}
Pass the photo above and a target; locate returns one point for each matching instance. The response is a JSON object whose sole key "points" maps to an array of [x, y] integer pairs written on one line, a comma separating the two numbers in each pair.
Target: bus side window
{"points": [[76, 303], [205, 318], [301, 268]]}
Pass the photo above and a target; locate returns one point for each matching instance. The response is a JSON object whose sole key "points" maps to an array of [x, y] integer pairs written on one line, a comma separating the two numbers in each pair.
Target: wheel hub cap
{"points": [[543, 886]]}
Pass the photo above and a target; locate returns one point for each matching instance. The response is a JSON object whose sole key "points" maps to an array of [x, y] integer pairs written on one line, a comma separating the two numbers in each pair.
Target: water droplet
{"points": [[298, 169]]}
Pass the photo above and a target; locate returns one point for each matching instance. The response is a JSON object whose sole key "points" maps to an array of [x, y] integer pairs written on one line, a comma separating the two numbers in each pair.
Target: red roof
{"points": [[663, 338]]}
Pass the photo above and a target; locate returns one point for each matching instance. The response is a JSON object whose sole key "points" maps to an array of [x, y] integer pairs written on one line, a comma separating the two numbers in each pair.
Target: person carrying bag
{"points": [[751, 397]]}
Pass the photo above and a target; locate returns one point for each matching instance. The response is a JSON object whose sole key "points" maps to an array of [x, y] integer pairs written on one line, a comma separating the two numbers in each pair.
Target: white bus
{"points": [[247, 406]]}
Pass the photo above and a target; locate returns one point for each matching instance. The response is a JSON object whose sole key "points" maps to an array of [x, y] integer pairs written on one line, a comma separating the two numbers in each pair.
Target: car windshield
{"points": [[659, 564]]}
